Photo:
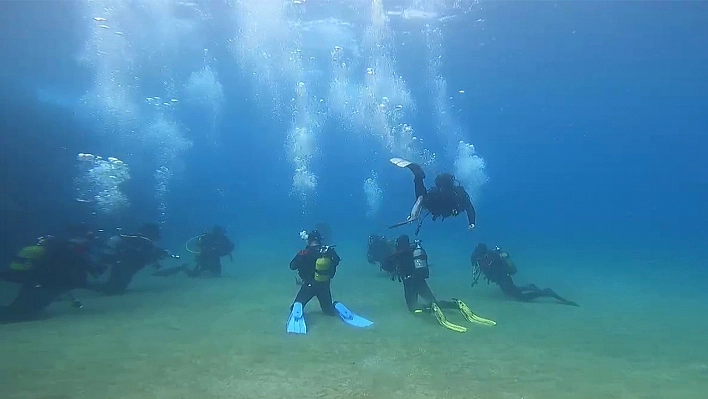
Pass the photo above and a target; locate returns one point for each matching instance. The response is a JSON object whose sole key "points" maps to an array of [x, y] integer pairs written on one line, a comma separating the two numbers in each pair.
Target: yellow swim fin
{"points": [[443, 320], [471, 316]]}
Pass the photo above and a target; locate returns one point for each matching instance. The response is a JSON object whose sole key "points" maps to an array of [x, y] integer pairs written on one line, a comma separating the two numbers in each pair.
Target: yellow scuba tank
{"points": [[322, 268], [27, 257]]}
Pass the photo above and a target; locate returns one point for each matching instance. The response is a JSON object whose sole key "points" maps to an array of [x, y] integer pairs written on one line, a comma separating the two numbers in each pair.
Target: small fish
{"points": [[104, 26], [119, 33], [174, 100], [99, 19]]}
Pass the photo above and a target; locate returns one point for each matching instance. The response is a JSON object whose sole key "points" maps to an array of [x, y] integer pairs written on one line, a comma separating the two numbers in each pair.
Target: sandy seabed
{"points": [[225, 338]]}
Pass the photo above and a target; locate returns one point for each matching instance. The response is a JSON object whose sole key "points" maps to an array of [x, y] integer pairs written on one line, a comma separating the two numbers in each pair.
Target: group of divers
{"points": [[54, 267]]}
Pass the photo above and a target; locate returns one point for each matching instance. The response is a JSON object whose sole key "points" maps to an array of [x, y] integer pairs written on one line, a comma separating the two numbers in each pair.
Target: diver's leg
{"points": [[418, 183], [31, 301], [305, 294], [13, 276], [425, 292], [509, 288], [217, 267], [529, 288], [118, 280], [324, 296], [209, 264], [550, 293], [410, 293]]}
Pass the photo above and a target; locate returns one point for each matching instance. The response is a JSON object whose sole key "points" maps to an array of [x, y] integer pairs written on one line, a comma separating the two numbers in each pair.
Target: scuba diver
{"points": [[128, 254], [410, 262], [497, 267], [46, 271], [379, 251], [316, 265], [444, 200], [211, 246]]}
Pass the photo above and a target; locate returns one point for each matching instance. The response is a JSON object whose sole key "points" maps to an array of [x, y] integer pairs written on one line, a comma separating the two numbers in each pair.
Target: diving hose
{"points": [[186, 244]]}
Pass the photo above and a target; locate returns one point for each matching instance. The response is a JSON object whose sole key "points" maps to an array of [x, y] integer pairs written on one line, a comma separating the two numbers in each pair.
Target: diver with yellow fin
{"points": [[316, 266], [411, 267], [448, 198]]}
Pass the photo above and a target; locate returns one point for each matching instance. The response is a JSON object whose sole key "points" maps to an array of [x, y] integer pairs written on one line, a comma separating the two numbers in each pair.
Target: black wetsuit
{"points": [[128, 256], [62, 268], [442, 201], [304, 262], [414, 284], [379, 251], [212, 247], [495, 269]]}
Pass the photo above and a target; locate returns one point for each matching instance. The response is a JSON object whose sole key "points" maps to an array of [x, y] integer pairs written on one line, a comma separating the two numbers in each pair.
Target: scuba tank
{"points": [[420, 257], [323, 265]]}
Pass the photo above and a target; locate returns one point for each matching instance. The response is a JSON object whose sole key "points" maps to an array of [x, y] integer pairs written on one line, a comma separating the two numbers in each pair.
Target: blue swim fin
{"points": [[296, 320], [351, 318]]}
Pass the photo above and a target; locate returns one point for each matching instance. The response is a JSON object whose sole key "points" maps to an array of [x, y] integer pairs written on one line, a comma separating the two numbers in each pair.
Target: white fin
{"points": [[400, 162]]}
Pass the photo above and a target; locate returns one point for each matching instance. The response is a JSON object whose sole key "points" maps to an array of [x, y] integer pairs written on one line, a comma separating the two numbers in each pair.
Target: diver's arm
{"points": [[469, 208], [335, 257], [295, 263], [471, 215]]}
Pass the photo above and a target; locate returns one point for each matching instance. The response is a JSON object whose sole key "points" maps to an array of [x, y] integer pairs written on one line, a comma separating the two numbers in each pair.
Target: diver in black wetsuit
{"points": [[211, 245], [128, 254], [410, 265], [410, 262], [497, 267], [316, 266], [52, 268], [444, 200], [379, 251]]}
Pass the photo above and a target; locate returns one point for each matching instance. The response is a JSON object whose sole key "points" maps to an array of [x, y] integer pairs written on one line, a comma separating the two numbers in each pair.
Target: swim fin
{"points": [[351, 318], [400, 162], [296, 320], [471, 316], [443, 320]]}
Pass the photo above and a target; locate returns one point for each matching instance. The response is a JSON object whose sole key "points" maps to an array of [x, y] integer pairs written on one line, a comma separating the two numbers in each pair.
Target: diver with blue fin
{"points": [[448, 198], [316, 265], [410, 262]]}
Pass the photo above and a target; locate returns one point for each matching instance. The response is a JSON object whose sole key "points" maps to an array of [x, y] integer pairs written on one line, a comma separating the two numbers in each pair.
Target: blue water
{"points": [[590, 117]]}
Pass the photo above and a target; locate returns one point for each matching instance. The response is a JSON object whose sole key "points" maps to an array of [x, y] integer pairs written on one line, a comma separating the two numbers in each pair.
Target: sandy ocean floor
{"points": [[225, 338]]}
